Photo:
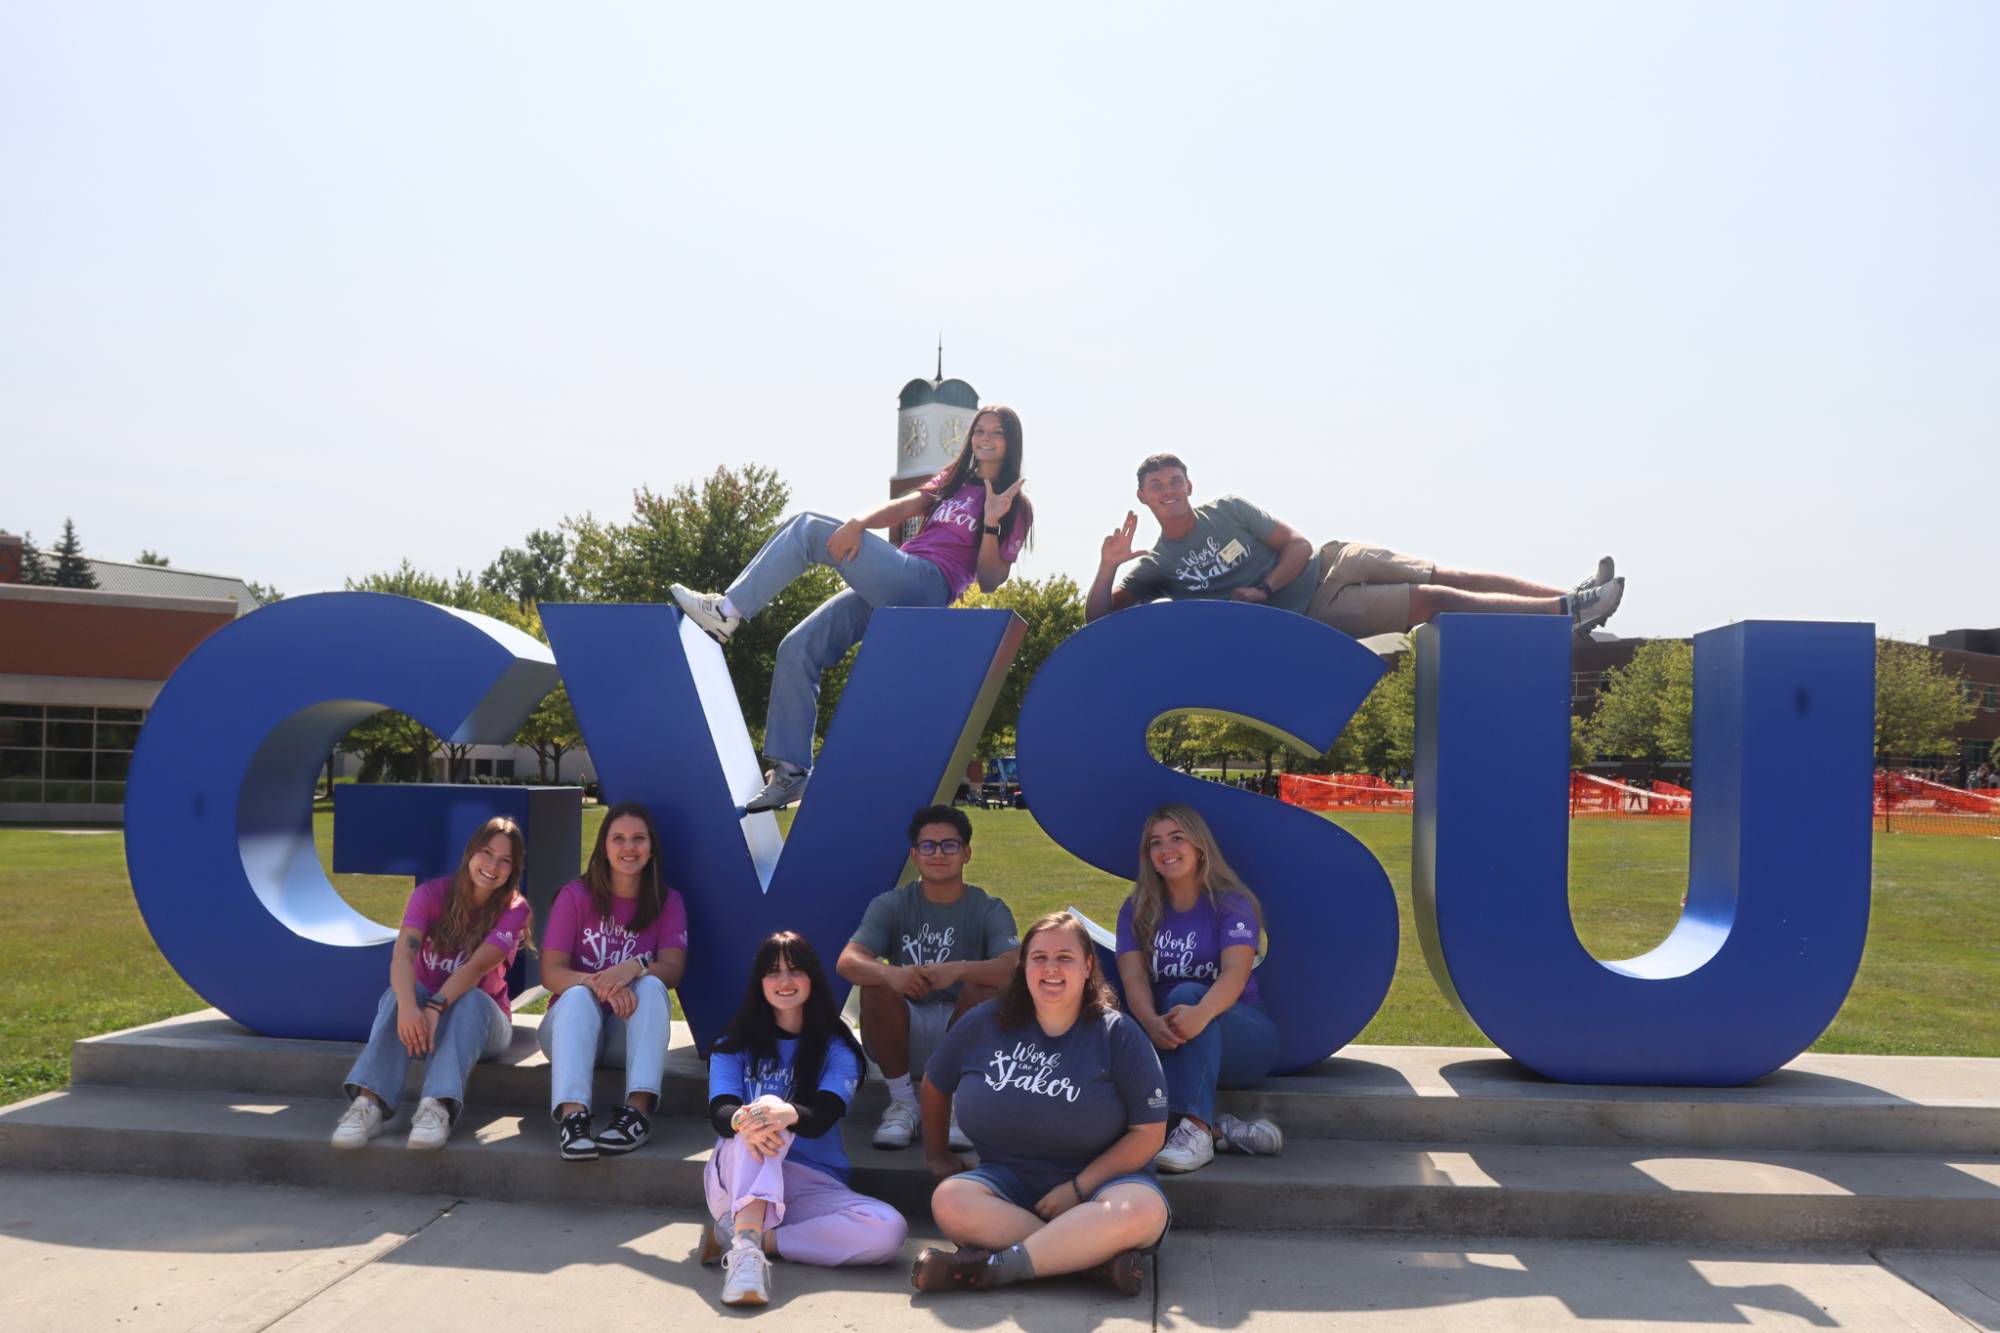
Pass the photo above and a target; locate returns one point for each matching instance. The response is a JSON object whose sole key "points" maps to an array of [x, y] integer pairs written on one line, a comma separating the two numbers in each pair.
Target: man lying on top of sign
{"points": [[1231, 548]]}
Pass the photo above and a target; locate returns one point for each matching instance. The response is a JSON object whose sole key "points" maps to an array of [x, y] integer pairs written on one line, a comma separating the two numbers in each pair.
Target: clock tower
{"points": [[932, 418]]}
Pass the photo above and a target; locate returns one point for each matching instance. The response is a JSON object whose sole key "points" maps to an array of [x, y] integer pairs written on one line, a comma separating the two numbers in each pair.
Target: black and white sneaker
{"points": [[573, 1132], [629, 1129], [1592, 606]]}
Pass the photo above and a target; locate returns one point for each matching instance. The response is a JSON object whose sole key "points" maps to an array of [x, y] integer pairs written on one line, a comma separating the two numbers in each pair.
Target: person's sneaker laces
{"points": [[956, 1137], [944, 1270], [1124, 1272], [782, 785], [1258, 1137], [747, 1276], [360, 1122], [574, 1135], [1189, 1148], [899, 1124], [430, 1126], [1591, 607], [705, 610], [1607, 569], [629, 1129]]}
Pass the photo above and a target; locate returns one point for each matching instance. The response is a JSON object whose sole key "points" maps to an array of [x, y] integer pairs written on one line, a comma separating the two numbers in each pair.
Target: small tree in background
{"points": [[536, 572], [1917, 701], [72, 569], [1647, 708], [153, 558], [1053, 610], [35, 569]]}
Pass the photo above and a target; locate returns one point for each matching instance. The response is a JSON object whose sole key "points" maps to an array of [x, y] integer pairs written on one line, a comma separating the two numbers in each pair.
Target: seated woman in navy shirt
{"points": [[1064, 1099]]}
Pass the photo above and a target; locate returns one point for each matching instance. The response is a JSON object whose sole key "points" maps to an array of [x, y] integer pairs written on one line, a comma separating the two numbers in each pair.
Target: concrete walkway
{"points": [[91, 1252]]}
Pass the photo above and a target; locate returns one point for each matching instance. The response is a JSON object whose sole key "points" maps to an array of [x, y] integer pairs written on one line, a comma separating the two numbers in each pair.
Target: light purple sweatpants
{"points": [[814, 1218]]}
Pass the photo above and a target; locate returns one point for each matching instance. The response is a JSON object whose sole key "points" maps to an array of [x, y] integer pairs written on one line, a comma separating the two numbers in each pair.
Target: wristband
{"points": [[1263, 586], [435, 1002], [1076, 1188], [993, 529]]}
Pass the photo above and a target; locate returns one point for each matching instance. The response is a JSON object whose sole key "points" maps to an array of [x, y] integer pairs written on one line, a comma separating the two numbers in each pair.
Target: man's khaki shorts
{"points": [[1365, 590]]}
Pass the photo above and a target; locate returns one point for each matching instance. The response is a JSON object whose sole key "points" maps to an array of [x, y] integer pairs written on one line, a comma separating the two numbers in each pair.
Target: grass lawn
{"points": [[79, 961]]}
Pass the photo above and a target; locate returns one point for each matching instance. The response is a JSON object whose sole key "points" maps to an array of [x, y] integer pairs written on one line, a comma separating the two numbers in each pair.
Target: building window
{"points": [[59, 755]]}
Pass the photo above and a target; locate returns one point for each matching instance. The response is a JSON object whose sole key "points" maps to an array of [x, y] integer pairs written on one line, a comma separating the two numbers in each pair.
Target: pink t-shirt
{"points": [[951, 535], [594, 944], [432, 968]]}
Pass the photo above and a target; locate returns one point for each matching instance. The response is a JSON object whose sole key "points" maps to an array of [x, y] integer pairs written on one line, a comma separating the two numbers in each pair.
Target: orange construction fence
{"points": [[1903, 803]]}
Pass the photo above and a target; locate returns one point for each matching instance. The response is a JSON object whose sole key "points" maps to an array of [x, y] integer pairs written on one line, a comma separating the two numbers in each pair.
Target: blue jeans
{"points": [[878, 575], [473, 1029], [578, 1034], [1234, 1051]]}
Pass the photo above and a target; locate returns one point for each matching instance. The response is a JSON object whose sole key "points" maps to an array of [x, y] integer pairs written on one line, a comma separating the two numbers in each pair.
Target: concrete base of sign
{"points": [[1846, 1151]]}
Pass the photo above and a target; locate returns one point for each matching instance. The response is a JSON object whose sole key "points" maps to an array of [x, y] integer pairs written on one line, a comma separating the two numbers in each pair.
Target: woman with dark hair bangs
{"points": [[1062, 1095], [617, 943], [447, 998], [779, 1081], [975, 521]]}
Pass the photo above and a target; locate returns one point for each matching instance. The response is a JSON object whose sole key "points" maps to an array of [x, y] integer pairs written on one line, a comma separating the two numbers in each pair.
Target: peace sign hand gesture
{"points": [[998, 503], [1117, 547]]}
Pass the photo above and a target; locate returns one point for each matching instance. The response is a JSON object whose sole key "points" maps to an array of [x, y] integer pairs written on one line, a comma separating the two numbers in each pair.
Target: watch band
{"points": [[993, 529]]}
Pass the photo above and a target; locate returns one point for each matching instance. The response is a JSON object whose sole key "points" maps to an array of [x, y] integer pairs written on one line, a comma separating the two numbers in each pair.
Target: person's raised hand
{"points": [[998, 503], [845, 543], [1117, 548]]}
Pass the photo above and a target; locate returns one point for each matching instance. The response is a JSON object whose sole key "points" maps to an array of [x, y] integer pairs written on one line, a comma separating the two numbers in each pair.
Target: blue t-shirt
{"points": [[740, 1074], [1044, 1106]]}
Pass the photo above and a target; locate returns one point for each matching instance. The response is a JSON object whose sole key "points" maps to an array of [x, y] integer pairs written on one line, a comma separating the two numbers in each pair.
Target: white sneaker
{"points": [[782, 785], [705, 610], [747, 1276], [1258, 1137], [899, 1125], [1591, 607], [430, 1127], [359, 1123], [1189, 1148], [956, 1138]]}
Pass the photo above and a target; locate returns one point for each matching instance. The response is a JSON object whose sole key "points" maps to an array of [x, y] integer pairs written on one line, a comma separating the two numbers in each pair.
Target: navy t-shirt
{"points": [[1044, 1106], [740, 1074]]}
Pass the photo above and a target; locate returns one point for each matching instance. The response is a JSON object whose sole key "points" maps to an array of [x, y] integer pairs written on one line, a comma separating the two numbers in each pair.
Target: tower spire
{"points": [[940, 375]]}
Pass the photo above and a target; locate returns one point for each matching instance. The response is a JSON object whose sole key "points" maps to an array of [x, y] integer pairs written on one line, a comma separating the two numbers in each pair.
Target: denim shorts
{"points": [[1007, 1183]]}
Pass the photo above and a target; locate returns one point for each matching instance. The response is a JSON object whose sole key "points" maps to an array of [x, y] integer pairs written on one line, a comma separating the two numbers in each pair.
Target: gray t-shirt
{"points": [[1226, 551], [1044, 1106], [907, 928]]}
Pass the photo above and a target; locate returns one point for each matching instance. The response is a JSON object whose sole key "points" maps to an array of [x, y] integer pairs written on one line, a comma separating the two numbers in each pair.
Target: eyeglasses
{"points": [[950, 847]]}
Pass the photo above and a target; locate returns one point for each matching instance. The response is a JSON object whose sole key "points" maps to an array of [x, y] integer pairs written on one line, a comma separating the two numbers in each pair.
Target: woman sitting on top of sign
{"points": [[975, 520], [617, 942], [1187, 939], [779, 1081], [1062, 1096], [447, 999]]}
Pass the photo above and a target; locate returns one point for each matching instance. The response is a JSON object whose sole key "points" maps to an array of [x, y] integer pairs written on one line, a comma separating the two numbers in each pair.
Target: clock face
{"points": [[954, 437], [916, 438]]}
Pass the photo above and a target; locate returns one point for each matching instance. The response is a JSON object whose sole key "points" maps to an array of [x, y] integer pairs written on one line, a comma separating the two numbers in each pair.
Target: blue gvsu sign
{"points": [[220, 846]]}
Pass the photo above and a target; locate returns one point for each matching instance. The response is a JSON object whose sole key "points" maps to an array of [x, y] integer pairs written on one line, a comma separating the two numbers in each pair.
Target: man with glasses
{"points": [[1231, 548], [922, 955]]}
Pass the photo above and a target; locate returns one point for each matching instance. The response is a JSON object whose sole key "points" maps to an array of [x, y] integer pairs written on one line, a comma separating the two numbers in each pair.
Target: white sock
{"points": [[900, 1090], [729, 608]]}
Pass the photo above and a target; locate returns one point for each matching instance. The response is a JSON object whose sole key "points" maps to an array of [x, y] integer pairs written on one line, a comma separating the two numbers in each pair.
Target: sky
{"points": [[295, 292]]}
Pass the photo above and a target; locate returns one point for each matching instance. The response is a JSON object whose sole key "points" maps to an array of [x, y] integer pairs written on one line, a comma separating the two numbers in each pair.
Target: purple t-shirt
{"points": [[594, 943], [951, 535], [1187, 946], [432, 968]]}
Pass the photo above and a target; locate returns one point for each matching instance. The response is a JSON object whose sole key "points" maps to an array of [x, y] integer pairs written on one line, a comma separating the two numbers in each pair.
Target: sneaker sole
{"points": [[569, 1156], [618, 1149], [747, 1298]]}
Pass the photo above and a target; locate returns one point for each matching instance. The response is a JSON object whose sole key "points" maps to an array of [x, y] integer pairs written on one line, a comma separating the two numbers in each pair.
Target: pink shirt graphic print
{"points": [[951, 535], [594, 943], [433, 966]]}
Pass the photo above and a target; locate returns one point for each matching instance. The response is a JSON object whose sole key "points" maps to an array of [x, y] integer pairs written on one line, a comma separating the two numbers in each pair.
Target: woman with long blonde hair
{"points": [[1187, 941], [447, 1000]]}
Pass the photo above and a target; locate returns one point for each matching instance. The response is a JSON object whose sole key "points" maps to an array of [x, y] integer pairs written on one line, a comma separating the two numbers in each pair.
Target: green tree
{"points": [[703, 535], [1917, 701], [1647, 708], [537, 571], [72, 568], [34, 568], [1382, 736], [153, 558], [1053, 610], [264, 593]]}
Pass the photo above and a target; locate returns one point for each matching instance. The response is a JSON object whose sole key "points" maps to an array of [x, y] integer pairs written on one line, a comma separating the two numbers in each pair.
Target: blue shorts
{"points": [[1007, 1183]]}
